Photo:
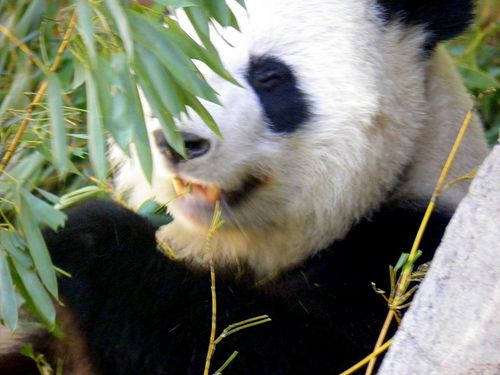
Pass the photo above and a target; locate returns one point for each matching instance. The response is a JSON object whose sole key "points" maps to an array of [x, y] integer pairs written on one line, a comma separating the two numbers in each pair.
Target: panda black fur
{"points": [[331, 149]]}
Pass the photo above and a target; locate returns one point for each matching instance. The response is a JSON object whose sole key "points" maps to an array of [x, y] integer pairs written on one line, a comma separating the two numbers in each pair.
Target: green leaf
{"points": [[97, 148], [86, 28], [43, 211], [28, 168], [78, 195], [36, 245], [200, 21], [8, 301], [115, 104], [192, 49], [7, 240], [78, 75], [31, 15], [39, 298], [164, 116], [18, 86], [401, 261], [179, 3], [219, 10], [162, 81], [204, 115], [135, 115], [52, 198], [150, 207], [58, 131], [155, 38], [122, 24], [477, 79]]}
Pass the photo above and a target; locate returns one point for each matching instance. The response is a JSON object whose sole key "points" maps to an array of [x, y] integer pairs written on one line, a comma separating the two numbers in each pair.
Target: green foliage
{"points": [[69, 78], [477, 57]]}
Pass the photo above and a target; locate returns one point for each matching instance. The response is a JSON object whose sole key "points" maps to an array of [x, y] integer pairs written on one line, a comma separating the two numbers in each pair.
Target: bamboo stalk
{"points": [[368, 358], [405, 275]]}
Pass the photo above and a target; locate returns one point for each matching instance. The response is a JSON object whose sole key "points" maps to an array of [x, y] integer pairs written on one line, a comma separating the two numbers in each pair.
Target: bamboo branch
{"points": [[404, 279], [215, 225], [39, 95], [365, 360], [23, 47]]}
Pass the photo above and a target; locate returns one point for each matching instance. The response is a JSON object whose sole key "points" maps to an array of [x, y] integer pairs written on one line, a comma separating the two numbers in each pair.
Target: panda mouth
{"points": [[212, 193]]}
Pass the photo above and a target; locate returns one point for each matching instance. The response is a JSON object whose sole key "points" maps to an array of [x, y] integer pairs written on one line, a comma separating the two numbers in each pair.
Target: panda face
{"points": [[330, 104], [293, 126]]}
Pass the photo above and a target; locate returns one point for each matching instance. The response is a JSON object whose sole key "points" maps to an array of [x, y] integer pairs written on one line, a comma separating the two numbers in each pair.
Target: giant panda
{"points": [[332, 143]]}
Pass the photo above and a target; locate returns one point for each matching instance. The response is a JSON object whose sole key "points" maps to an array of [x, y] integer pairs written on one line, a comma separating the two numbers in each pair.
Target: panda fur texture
{"points": [[332, 146]]}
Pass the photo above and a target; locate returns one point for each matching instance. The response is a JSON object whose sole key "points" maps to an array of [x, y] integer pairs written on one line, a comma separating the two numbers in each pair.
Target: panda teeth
{"points": [[209, 193], [179, 186]]}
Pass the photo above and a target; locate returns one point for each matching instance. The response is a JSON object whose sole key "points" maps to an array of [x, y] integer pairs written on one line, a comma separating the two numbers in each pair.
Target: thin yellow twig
{"points": [[404, 279], [380, 340], [365, 360], [23, 47], [38, 97], [214, 226]]}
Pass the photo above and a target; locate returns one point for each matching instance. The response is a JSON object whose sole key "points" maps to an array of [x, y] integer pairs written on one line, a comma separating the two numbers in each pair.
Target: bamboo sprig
{"points": [[39, 95], [227, 363], [232, 328], [23, 47], [244, 324], [399, 296], [368, 358], [214, 226]]}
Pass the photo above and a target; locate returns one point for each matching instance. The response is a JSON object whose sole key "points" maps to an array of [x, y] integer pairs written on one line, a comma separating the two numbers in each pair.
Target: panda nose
{"points": [[194, 145]]}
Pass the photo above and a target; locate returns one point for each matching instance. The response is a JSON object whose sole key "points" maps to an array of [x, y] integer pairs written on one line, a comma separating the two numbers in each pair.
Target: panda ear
{"points": [[443, 19]]}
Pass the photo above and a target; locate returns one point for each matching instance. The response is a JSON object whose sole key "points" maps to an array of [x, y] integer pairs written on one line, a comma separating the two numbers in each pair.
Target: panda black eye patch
{"points": [[284, 104]]}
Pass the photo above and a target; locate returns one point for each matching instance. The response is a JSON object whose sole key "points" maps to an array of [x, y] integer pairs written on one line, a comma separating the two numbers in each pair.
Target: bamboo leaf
{"points": [[8, 301], [36, 245], [134, 113], [115, 104], [44, 212], [179, 3], [40, 299], [78, 75], [97, 148], [200, 21], [162, 82], [79, 195], [192, 49], [122, 24], [204, 115], [86, 28], [52, 198], [7, 240], [58, 131], [31, 15], [164, 116], [219, 10], [155, 39], [19, 84], [401, 261]]}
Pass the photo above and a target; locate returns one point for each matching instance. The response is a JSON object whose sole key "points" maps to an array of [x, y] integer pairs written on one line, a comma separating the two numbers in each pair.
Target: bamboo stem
{"points": [[23, 47], [215, 225], [405, 275], [365, 360]]}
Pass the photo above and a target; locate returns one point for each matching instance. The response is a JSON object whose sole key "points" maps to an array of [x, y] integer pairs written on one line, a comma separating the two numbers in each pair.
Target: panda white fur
{"points": [[331, 148]]}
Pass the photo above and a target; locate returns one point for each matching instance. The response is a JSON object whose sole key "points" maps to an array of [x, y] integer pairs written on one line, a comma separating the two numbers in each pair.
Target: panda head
{"points": [[330, 107]]}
